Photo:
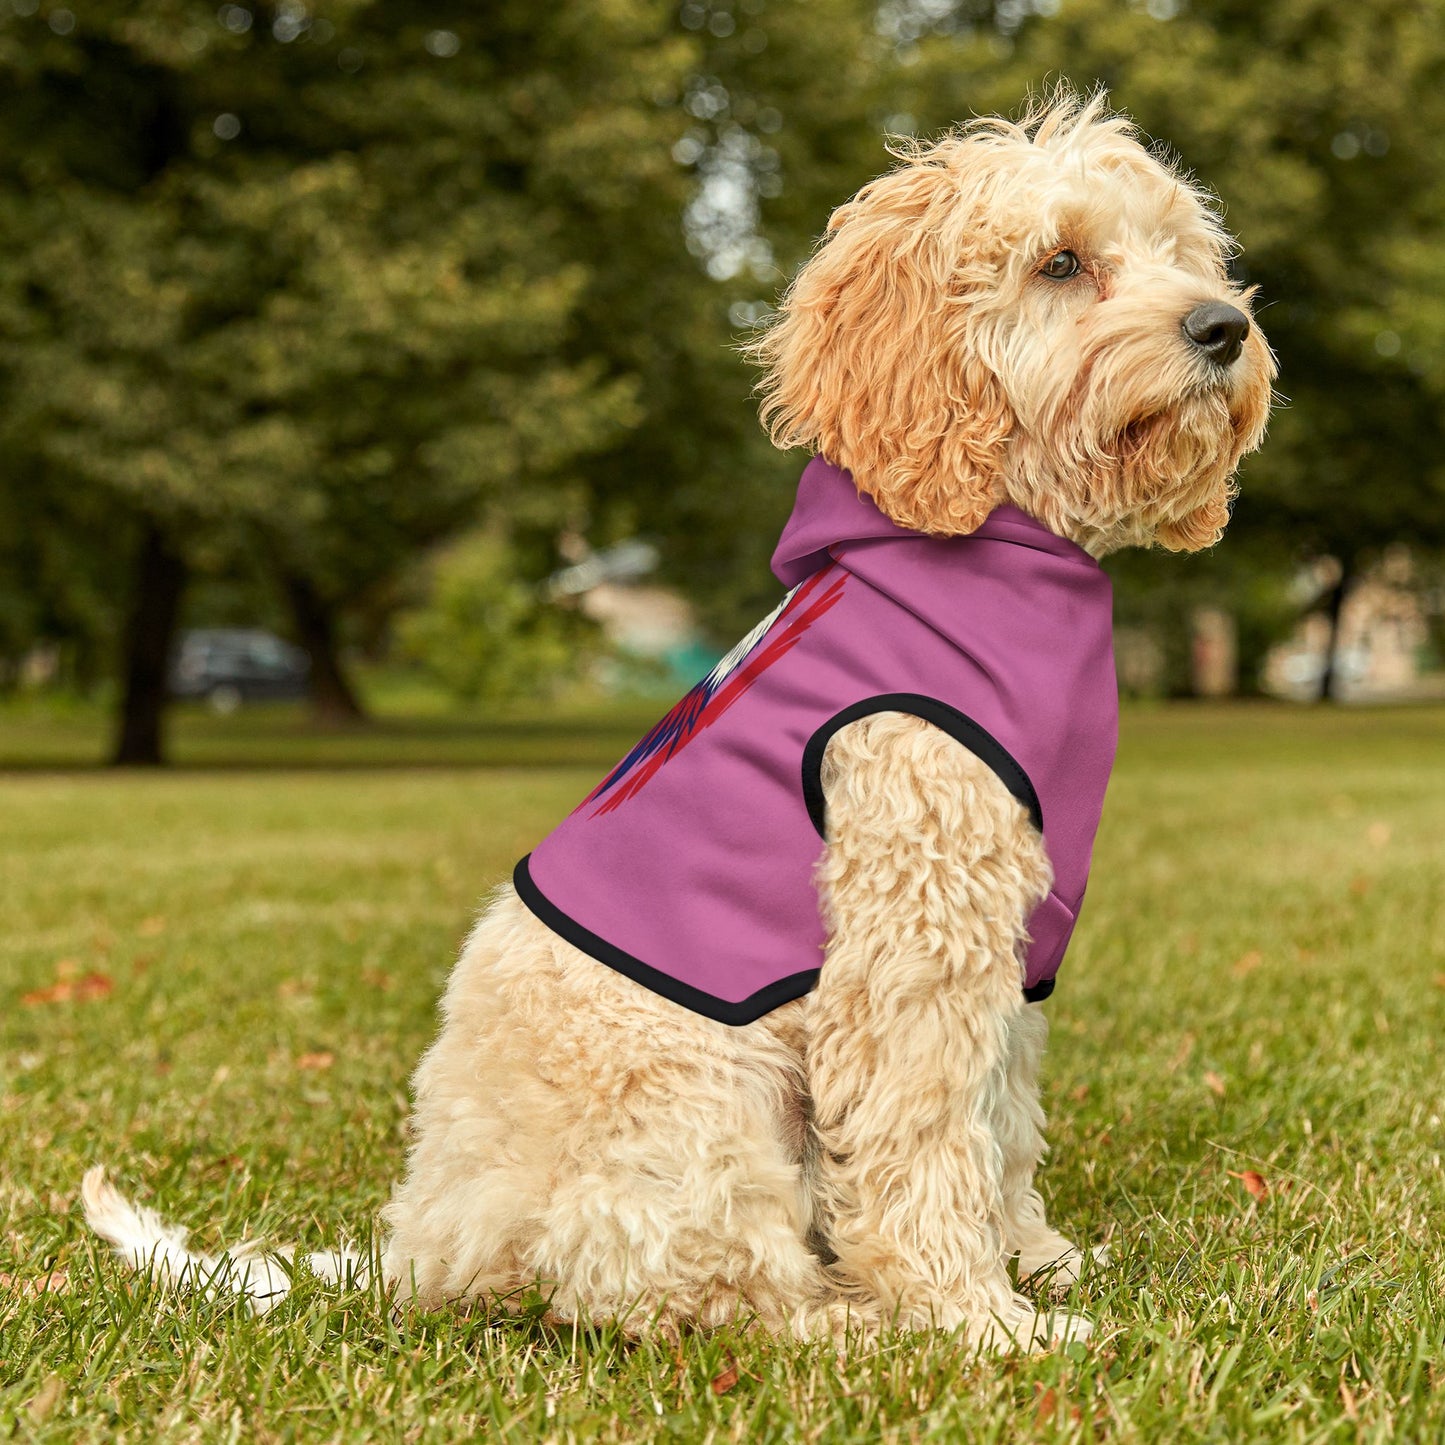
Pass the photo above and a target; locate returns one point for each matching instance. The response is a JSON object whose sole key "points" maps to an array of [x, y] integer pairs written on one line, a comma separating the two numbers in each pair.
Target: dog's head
{"points": [[1034, 312]]}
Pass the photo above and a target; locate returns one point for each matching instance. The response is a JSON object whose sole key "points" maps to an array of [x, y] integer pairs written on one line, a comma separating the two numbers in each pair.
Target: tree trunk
{"points": [[160, 578], [1329, 676], [333, 699]]}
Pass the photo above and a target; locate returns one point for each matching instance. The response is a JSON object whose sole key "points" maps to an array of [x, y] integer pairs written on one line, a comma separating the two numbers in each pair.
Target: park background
{"points": [[409, 334], [361, 326]]}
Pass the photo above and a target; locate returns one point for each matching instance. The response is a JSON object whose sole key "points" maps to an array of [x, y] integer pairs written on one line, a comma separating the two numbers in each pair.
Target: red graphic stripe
{"points": [[700, 708]]}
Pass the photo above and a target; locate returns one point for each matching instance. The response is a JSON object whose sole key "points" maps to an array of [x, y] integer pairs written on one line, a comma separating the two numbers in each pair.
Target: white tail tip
{"points": [[147, 1243]]}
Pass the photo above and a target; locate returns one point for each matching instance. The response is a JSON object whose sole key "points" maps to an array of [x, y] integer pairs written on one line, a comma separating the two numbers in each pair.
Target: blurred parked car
{"points": [[230, 665]]}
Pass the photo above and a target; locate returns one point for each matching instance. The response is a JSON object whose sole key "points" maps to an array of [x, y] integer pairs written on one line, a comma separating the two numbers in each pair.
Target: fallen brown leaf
{"points": [[1214, 1083], [1080, 1094], [1046, 1407], [1360, 885], [1247, 963], [724, 1382], [56, 1282], [66, 990], [1440, 980], [377, 978], [1255, 1184], [56, 993], [322, 1059]]}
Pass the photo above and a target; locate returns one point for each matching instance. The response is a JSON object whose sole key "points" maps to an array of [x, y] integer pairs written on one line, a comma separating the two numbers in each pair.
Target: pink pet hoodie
{"points": [[690, 866]]}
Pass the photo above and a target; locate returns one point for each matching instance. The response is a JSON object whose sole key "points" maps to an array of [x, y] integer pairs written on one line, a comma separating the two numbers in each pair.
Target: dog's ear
{"points": [[873, 358]]}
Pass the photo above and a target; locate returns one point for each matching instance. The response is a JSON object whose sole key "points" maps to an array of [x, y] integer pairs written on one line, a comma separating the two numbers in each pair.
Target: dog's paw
{"points": [[1058, 1270], [1023, 1326], [1060, 1328]]}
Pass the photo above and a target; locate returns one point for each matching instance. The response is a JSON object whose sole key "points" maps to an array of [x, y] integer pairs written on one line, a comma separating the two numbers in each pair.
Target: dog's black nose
{"points": [[1218, 330]]}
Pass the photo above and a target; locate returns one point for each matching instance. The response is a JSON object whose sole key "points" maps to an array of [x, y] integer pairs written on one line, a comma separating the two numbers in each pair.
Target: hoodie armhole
{"points": [[948, 719]]}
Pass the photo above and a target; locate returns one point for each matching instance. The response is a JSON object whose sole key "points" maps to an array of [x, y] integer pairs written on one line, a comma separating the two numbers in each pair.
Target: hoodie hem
{"points": [[724, 1011]]}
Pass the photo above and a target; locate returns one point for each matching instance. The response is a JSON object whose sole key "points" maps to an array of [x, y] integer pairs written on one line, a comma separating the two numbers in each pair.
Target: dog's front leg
{"points": [[1019, 1124], [930, 872]]}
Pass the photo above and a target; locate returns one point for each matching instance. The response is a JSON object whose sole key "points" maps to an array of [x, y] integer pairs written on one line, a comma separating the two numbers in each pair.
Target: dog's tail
{"points": [[147, 1243]]}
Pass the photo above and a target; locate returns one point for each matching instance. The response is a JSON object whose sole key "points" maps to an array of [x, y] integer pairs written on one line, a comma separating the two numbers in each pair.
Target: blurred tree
{"points": [[307, 282], [328, 284], [488, 635], [323, 285], [782, 107], [59, 571]]}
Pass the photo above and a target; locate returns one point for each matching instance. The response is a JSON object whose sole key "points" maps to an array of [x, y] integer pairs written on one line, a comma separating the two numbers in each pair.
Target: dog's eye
{"points": [[1060, 266]]}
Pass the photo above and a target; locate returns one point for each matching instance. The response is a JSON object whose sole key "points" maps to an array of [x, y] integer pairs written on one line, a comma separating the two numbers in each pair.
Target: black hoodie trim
{"points": [[744, 1011], [957, 725], [784, 990]]}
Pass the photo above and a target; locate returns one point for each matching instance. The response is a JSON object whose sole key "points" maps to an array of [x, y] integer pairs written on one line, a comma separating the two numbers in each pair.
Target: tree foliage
{"points": [[306, 290], [318, 287], [485, 633]]}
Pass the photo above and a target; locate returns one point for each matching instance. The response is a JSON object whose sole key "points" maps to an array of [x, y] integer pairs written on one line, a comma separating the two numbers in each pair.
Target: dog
{"points": [[1015, 352]]}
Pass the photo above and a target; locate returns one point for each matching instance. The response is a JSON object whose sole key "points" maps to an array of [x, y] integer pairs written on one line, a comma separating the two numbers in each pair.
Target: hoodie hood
{"points": [[1027, 613], [830, 514]]}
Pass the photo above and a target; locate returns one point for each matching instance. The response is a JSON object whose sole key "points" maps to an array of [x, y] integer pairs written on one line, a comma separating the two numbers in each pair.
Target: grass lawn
{"points": [[217, 979]]}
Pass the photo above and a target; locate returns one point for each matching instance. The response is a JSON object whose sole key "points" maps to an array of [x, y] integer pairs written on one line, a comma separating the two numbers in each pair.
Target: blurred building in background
{"points": [[1383, 648], [653, 634]]}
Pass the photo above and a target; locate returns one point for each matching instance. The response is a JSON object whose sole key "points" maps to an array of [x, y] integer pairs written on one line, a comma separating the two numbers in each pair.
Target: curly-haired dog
{"points": [[1017, 351]]}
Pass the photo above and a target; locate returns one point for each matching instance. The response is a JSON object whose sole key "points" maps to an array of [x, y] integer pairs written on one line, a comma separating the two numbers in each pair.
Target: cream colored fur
{"points": [[864, 1156], [647, 1163]]}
